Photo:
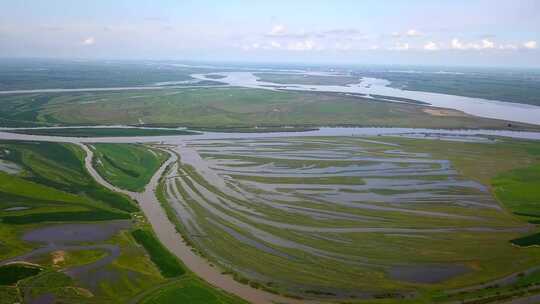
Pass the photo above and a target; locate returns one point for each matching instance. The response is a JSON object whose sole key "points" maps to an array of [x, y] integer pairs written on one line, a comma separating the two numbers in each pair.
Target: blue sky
{"points": [[458, 32]]}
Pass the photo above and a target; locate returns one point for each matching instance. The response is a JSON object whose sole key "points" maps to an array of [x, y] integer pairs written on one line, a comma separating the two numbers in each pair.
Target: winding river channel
{"points": [[165, 229], [375, 86], [167, 234]]}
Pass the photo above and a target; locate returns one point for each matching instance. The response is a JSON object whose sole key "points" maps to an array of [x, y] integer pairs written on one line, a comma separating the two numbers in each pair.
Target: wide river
{"points": [[465, 134], [474, 106], [368, 86]]}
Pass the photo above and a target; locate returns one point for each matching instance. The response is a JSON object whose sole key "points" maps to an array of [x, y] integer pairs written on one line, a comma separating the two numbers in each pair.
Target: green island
{"points": [[127, 166], [224, 108], [102, 132]]}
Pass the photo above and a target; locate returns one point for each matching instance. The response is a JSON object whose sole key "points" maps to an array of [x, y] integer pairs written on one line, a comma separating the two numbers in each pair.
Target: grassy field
{"points": [[102, 132], [519, 189], [20, 74], [342, 216], [128, 166], [227, 108], [54, 186], [167, 263], [12, 273], [189, 290]]}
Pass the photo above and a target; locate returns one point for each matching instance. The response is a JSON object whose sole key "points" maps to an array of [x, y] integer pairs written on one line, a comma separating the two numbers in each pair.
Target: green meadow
{"points": [[102, 132], [128, 166], [226, 108]]}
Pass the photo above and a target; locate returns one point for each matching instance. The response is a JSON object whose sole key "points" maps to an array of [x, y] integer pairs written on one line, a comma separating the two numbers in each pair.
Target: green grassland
{"points": [[20, 74], [102, 132], [12, 273], [54, 186], [128, 166], [188, 290], [226, 108], [166, 262]]}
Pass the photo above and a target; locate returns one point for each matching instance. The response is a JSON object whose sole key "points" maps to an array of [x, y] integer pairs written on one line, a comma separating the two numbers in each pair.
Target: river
{"points": [[375, 86], [167, 234]]}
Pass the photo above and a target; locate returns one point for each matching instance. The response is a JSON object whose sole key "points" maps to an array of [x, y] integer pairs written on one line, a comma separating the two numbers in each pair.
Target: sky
{"points": [[425, 32]]}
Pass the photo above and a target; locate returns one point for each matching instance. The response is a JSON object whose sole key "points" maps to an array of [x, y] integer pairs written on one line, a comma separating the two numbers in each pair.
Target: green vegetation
{"points": [[496, 84], [9, 295], [292, 187], [12, 273], [49, 282], [20, 74], [128, 166], [524, 284], [64, 217], [229, 108], [167, 263], [54, 186], [189, 290], [529, 240], [519, 190], [102, 132]]}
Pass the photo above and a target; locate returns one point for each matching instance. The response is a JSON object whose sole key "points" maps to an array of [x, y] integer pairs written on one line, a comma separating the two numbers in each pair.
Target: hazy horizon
{"points": [[433, 33]]}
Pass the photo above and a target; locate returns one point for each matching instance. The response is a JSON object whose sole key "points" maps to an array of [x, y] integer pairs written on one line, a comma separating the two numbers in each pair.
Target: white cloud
{"points": [[484, 44], [277, 30], [275, 44], [89, 41], [530, 45], [400, 47], [343, 46], [413, 33], [431, 46], [456, 44], [251, 47], [306, 45], [487, 44], [508, 47], [409, 33]]}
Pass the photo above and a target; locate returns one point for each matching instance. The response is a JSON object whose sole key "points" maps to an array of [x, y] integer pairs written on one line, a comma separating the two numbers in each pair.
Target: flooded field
{"points": [[337, 215]]}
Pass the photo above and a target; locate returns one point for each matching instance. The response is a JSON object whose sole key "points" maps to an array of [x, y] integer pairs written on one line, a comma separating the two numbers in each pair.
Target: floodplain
{"points": [[351, 217]]}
